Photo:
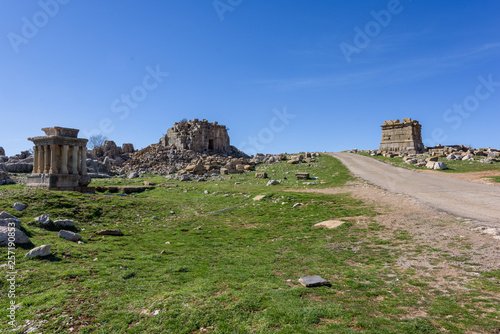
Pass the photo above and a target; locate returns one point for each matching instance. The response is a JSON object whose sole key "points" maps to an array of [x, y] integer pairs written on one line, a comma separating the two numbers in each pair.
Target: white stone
{"points": [[68, 235], [42, 250], [20, 237]]}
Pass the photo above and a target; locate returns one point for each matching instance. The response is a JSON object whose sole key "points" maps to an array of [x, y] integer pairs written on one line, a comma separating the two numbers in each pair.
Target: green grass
{"points": [[227, 264], [454, 166]]}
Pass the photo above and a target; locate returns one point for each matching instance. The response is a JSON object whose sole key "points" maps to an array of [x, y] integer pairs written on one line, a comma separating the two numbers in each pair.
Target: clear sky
{"points": [[284, 76]]}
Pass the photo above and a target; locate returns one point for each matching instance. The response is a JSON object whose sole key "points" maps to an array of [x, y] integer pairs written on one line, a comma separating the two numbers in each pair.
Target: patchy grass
{"points": [[227, 264], [454, 166]]}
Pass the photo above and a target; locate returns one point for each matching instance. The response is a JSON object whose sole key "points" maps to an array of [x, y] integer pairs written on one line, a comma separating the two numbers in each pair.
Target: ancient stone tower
{"points": [[401, 137], [60, 161], [199, 136]]}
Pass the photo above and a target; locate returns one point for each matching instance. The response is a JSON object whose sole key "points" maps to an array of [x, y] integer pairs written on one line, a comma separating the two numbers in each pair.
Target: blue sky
{"points": [[284, 76]]}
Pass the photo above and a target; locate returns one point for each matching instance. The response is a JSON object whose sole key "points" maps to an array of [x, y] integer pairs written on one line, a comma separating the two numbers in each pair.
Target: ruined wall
{"points": [[401, 136], [198, 136]]}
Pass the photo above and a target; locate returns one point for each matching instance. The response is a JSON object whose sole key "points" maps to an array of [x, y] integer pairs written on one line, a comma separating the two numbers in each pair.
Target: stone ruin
{"points": [[401, 137], [197, 136], [60, 161]]}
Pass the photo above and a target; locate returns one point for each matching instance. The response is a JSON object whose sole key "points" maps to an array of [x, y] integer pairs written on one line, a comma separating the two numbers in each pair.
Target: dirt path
{"points": [[460, 198]]}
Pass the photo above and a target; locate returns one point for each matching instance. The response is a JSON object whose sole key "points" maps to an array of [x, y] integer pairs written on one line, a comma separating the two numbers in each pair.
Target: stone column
{"points": [[53, 159], [39, 160], [83, 168], [46, 160], [35, 159], [64, 159], [74, 156]]}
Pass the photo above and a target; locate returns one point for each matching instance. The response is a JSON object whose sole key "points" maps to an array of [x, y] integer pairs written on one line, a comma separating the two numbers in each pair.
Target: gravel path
{"points": [[457, 197]]}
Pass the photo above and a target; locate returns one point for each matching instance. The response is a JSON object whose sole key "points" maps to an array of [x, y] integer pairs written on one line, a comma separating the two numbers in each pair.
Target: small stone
{"points": [[296, 205], [39, 251], [260, 175], [206, 192], [197, 228], [162, 252], [167, 243], [172, 212], [313, 281], [302, 176], [329, 224], [19, 206], [259, 197], [271, 183]]}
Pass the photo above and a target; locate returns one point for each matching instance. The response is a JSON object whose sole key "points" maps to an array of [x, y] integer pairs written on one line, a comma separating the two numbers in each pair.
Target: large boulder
{"points": [[7, 220], [17, 237], [5, 178], [440, 165], [19, 167]]}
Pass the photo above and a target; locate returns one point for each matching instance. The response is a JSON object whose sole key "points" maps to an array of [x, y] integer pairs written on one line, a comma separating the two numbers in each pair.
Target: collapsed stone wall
{"points": [[403, 136], [197, 136]]}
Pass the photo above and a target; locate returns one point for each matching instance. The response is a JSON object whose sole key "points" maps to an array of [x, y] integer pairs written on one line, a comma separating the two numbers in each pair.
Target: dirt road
{"points": [[457, 197]]}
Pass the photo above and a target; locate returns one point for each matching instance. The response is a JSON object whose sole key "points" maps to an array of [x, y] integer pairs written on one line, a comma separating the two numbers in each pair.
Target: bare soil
{"points": [[445, 249], [477, 177]]}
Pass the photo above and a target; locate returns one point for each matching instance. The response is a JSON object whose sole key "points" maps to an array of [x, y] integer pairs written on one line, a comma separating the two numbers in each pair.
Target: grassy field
{"points": [[205, 257], [454, 166]]}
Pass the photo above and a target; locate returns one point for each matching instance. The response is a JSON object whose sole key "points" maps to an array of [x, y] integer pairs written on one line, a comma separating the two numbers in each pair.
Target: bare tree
{"points": [[96, 140]]}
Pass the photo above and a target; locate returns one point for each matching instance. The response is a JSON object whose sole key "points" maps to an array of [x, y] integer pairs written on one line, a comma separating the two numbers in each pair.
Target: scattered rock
{"points": [[261, 175], [19, 206], [259, 197], [313, 281], [296, 205], [302, 176], [110, 232], [19, 237], [440, 165], [271, 183], [40, 251], [330, 224], [68, 235], [132, 175]]}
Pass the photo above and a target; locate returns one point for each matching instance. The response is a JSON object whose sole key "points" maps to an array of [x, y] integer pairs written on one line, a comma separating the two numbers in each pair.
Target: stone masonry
{"points": [[401, 137], [59, 161], [198, 136]]}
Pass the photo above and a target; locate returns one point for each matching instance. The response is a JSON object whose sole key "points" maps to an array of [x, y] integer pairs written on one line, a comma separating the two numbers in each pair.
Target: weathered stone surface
{"points": [[12, 222], [259, 197], [132, 175], [43, 220], [198, 136], [313, 281], [432, 159], [440, 165], [261, 175], [19, 167], [40, 251], [302, 176], [19, 206], [128, 148], [271, 183], [19, 237], [430, 164], [64, 224], [60, 161], [5, 178], [401, 136], [68, 235], [2, 151], [110, 232], [330, 224]]}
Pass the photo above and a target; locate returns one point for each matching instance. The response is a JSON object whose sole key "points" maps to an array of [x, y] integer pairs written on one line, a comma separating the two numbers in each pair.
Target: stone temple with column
{"points": [[60, 161]]}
